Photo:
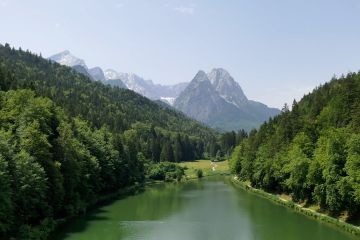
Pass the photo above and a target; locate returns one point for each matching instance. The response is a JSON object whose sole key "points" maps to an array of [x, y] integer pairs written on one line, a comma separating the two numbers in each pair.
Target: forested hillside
{"points": [[65, 141], [100, 105], [311, 152], [53, 166]]}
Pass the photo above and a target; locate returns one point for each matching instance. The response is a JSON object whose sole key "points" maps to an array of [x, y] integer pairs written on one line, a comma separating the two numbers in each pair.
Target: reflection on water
{"points": [[207, 209]]}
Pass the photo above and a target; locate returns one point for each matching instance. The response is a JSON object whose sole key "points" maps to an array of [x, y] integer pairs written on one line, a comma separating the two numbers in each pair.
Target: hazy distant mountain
{"points": [[67, 59], [201, 101], [97, 74], [83, 70], [227, 87], [147, 88], [218, 100], [115, 83]]}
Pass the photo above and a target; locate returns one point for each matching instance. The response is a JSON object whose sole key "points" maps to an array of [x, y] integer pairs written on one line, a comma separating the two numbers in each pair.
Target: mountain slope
{"points": [[312, 152], [217, 100], [200, 101], [116, 83], [67, 59], [97, 74], [226, 86]]}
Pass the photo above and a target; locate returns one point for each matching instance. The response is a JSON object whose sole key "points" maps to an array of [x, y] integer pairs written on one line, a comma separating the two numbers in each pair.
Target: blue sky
{"points": [[277, 50]]}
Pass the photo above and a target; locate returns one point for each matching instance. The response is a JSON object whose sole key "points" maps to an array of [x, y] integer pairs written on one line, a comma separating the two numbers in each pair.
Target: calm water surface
{"points": [[203, 210]]}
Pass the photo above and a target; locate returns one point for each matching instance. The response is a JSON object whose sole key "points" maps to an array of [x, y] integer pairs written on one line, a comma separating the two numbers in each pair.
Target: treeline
{"points": [[311, 152], [159, 145]]}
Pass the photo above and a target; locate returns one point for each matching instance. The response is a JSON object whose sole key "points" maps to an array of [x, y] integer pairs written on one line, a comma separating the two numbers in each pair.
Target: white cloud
{"points": [[185, 10]]}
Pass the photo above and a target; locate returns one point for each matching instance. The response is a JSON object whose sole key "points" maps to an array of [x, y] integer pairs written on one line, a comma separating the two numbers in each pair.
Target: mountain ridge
{"points": [[123, 80]]}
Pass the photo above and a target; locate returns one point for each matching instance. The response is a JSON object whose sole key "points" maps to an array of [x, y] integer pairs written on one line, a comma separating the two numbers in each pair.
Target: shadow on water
{"points": [[97, 212], [78, 224], [153, 203]]}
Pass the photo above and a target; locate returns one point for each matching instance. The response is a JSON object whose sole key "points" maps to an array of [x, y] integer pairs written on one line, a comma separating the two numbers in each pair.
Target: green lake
{"points": [[204, 210]]}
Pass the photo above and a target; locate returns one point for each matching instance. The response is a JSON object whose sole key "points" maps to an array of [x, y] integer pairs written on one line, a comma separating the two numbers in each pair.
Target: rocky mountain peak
{"points": [[227, 87], [201, 76], [68, 59], [218, 100], [218, 74], [97, 73]]}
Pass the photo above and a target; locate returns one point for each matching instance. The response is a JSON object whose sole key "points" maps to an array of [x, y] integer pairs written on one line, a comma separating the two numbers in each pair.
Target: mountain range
{"points": [[213, 98], [147, 88]]}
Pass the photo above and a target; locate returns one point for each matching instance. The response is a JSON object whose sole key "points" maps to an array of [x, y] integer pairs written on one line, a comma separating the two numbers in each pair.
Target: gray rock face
{"points": [[146, 87], [115, 83], [218, 100], [83, 70], [199, 100], [227, 87], [67, 59], [97, 74], [130, 81]]}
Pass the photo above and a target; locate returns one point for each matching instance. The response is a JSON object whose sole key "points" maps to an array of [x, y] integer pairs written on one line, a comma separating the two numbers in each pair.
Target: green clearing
{"points": [[208, 167]]}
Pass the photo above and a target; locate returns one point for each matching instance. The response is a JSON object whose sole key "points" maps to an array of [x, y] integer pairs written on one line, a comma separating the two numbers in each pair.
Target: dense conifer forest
{"points": [[311, 152]]}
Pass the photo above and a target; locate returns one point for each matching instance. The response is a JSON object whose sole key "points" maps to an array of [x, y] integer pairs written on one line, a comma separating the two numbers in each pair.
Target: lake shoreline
{"points": [[101, 201], [347, 227]]}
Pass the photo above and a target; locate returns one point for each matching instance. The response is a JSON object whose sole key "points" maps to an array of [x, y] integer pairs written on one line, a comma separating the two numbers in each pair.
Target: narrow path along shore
{"points": [[298, 208]]}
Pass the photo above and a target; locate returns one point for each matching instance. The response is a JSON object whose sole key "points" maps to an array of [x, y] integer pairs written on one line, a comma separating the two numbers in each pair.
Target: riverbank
{"points": [[44, 232], [298, 208]]}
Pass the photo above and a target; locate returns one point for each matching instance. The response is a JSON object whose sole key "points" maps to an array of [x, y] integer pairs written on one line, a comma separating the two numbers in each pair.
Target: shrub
{"points": [[199, 173], [166, 171]]}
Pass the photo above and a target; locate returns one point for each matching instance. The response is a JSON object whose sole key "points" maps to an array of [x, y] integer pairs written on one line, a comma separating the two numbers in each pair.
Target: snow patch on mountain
{"points": [[145, 87], [169, 100], [67, 59], [217, 99]]}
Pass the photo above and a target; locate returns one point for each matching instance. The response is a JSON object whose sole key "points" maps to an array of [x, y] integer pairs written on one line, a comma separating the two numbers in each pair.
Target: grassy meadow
{"points": [[208, 167]]}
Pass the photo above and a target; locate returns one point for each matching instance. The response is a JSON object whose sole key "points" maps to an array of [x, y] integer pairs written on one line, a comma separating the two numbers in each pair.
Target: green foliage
{"points": [[166, 171], [6, 205], [312, 151], [297, 165], [199, 173], [52, 166]]}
